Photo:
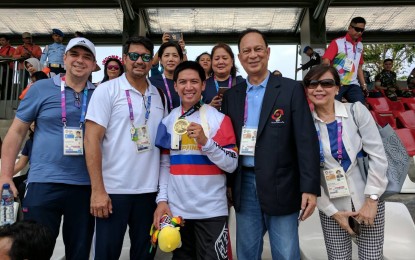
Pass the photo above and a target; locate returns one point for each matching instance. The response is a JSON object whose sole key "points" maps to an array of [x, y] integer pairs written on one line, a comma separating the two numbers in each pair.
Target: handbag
{"points": [[397, 156]]}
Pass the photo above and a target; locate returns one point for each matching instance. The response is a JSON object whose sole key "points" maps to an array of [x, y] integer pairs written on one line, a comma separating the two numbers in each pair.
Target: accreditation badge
{"points": [[143, 139], [348, 64], [73, 141], [336, 183], [248, 141], [180, 126]]}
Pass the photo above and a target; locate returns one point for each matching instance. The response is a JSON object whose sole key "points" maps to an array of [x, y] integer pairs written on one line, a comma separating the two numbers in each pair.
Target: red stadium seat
{"points": [[409, 103], [407, 119], [395, 106], [380, 105], [384, 120], [407, 137]]}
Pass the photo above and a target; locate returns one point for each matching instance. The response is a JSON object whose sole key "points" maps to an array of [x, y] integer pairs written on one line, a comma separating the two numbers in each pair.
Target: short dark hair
{"points": [[317, 71], [250, 30], [193, 65], [170, 44], [386, 60], [228, 49], [31, 240], [203, 53], [358, 20], [7, 37], [146, 42], [38, 75]]}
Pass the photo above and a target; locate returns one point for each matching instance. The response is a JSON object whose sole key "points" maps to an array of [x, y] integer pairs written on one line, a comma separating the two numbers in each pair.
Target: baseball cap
{"points": [[306, 48], [58, 32], [26, 35], [83, 42]]}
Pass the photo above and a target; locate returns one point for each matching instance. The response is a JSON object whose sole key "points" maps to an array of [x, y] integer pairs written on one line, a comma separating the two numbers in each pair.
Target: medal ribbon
{"points": [[194, 108], [217, 84], [130, 107], [63, 104], [339, 144], [168, 91]]}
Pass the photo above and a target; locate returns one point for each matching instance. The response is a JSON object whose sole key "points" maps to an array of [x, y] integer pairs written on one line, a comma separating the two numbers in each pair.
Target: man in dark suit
{"points": [[278, 173]]}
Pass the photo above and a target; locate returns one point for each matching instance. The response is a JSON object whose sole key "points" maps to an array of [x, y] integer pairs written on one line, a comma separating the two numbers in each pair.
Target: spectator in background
{"points": [[277, 73], [205, 61], [386, 81], [26, 240], [28, 49], [170, 55], [79, 34], [411, 80], [314, 58], [223, 76], [33, 65], [6, 51], [52, 56], [346, 55], [113, 68]]}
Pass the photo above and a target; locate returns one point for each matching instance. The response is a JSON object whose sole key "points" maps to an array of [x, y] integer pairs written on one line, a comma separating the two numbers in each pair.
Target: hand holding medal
{"points": [[196, 131]]}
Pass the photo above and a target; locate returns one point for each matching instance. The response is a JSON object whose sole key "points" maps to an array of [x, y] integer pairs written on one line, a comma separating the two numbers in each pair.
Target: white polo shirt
{"points": [[124, 170]]}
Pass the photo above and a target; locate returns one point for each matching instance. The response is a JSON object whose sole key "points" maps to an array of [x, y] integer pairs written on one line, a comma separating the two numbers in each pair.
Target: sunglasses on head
{"points": [[115, 67], [324, 83], [134, 56], [358, 29]]}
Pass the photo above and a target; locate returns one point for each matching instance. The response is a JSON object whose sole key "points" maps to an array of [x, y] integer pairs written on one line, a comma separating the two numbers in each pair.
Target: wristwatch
{"points": [[373, 197], [364, 85]]}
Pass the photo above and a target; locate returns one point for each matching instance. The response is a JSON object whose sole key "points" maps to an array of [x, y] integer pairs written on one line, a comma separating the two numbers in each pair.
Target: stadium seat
{"points": [[409, 103], [406, 119], [380, 105], [407, 137], [383, 120], [395, 106]]}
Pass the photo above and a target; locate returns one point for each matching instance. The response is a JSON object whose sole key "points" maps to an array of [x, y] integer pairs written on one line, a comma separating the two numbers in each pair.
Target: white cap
{"points": [[80, 41]]}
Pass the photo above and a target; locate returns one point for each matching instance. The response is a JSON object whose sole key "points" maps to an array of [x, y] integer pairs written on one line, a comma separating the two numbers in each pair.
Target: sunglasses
{"points": [[358, 29], [113, 67], [134, 56], [324, 83], [77, 99]]}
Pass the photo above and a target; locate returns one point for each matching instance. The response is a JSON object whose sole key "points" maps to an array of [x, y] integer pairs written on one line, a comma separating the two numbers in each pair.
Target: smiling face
{"points": [[170, 59], [205, 62], [189, 86], [79, 63], [137, 69], [113, 69], [322, 97], [254, 54], [222, 63]]}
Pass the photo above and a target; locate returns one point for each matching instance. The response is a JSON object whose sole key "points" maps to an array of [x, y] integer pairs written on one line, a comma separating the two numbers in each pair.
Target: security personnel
{"points": [[52, 55]]}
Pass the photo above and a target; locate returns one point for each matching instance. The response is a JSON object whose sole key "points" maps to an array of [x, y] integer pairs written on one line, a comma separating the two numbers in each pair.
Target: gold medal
{"points": [[180, 126]]}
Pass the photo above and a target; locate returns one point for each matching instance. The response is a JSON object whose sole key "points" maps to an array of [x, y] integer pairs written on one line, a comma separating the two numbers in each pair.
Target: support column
{"points": [[133, 25]]}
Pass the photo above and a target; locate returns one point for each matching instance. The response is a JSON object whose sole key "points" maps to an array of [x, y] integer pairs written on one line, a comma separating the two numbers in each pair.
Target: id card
{"points": [[143, 139], [336, 183], [248, 141], [73, 141], [348, 64]]}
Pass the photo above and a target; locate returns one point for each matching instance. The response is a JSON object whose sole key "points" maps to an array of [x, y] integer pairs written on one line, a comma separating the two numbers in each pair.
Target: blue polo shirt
{"points": [[42, 104], [255, 96]]}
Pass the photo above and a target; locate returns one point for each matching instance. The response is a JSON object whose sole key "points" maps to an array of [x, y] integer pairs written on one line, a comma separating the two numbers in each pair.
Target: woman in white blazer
{"points": [[345, 196]]}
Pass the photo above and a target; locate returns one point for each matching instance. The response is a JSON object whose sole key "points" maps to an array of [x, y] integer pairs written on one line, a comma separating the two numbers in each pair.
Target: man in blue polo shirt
{"points": [[58, 184], [52, 55]]}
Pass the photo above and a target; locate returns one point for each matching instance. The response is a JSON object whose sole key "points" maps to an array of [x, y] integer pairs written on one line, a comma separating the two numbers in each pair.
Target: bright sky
{"points": [[282, 58]]}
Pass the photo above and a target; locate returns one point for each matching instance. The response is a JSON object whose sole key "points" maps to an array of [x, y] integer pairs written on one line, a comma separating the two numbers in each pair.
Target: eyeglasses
{"points": [[324, 83], [113, 67], [77, 99], [358, 29], [134, 56]]}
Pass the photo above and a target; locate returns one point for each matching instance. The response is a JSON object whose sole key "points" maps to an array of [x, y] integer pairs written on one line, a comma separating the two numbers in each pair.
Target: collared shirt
{"points": [[7, 51], [53, 53], [255, 96]]}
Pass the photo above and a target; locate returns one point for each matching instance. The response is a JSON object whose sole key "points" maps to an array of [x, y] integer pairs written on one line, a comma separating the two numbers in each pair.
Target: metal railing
{"points": [[12, 82]]}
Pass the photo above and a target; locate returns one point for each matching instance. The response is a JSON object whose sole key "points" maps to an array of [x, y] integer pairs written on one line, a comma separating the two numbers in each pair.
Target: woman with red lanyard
{"points": [[224, 75], [170, 55]]}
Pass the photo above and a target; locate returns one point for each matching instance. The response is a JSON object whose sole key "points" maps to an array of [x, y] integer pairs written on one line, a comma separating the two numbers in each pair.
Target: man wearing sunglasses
{"points": [[346, 55], [123, 163]]}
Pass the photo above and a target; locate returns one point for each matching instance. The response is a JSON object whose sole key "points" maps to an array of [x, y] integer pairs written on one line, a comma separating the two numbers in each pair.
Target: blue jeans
{"points": [[352, 93], [252, 224]]}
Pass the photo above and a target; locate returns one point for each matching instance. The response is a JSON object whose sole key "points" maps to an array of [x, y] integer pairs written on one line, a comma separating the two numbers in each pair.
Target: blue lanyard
{"points": [[63, 104], [130, 107], [339, 144], [345, 50], [217, 84]]}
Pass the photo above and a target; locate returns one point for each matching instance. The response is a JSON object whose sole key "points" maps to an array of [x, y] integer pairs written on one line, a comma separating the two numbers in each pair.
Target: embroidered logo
{"points": [[276, 116]]}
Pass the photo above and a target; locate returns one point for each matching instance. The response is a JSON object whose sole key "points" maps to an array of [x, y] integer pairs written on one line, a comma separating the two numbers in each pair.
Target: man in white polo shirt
{"points": [[123, 163]]}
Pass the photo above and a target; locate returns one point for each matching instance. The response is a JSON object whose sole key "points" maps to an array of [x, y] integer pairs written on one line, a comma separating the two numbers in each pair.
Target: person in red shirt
{"points": [[28, 49], [6, 51]]}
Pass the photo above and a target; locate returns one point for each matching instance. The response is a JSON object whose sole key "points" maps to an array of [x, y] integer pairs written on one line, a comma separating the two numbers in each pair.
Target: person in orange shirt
{"points": [[27, 50], [6, 51]]}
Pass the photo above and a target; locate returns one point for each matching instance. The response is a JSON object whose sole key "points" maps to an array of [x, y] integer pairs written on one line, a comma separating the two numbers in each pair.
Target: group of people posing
{"points": [[192, 142]]}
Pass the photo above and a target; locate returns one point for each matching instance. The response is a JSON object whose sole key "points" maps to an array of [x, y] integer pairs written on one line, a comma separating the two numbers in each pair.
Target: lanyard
{"points": [[193, 109], [130, 107], [345, 49], [217, 84], [339, 144], [246, 109], [168, 91], [63, 104]]}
